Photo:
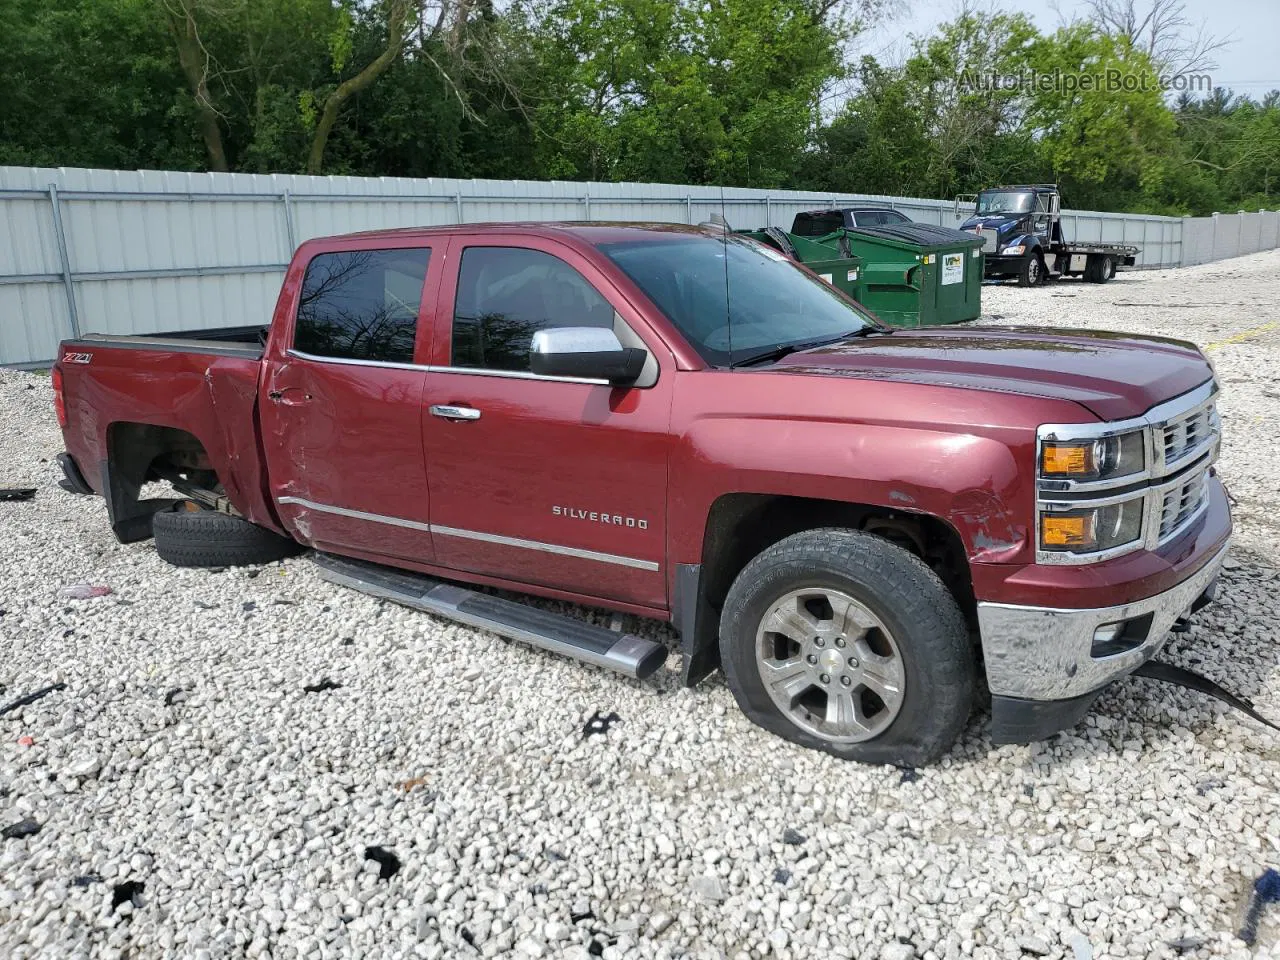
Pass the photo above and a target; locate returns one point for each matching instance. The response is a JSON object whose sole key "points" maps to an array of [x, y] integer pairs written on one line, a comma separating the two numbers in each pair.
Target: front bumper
{"points": [[1041, 662], [1002, 265]]}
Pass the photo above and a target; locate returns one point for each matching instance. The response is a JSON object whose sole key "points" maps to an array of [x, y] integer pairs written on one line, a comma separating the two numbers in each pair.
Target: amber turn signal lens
{"points": [[1067, 459], [1067, 531]]}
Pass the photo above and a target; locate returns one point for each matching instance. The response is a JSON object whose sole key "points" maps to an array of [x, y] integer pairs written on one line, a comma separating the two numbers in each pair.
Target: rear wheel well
{"points": [[135, 454]]}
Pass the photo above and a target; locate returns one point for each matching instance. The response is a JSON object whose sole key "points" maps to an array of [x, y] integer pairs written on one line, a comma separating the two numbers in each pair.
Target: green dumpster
{"points": [[916, 274]]}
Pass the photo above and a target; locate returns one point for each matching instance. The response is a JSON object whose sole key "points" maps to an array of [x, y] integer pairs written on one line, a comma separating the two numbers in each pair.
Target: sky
{"points": [[1250, 65]]}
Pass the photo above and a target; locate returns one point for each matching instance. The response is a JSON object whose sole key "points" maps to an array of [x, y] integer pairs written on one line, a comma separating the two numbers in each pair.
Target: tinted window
{"points": [[817, 224], [362, 304], [507, 294], [731, 297], [893, 216]]}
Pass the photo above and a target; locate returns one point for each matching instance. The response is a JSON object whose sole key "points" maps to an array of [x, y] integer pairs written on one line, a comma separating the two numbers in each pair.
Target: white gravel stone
{"points": [[245, 805]]}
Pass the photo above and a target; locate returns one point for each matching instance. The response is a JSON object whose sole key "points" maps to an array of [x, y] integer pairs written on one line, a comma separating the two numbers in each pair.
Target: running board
{"points": [[622, 652]]}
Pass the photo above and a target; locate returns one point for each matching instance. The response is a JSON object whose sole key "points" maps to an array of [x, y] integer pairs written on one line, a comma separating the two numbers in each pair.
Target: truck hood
{"points": [[994, 221], [1113, 375]]}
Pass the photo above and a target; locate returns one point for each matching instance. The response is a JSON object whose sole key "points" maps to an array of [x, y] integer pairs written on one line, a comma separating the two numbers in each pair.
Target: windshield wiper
{"points": [[869, 330], [766, 356], [785, 349]]}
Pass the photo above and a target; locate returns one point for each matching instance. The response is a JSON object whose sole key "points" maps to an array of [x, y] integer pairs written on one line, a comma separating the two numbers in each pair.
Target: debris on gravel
{"points": [[183, 778], [20, 830]]}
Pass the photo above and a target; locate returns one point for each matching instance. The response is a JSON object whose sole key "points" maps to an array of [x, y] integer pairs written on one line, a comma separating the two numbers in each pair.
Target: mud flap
{"points": [[1168, 673]]}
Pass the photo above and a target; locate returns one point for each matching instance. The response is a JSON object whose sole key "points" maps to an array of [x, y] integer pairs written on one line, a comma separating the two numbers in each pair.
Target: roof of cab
{"points": [[592, 232]]}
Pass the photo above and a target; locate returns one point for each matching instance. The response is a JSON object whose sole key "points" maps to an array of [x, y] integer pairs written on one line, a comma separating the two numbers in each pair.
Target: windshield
{"points": [[1005, 201], [770, 302]]}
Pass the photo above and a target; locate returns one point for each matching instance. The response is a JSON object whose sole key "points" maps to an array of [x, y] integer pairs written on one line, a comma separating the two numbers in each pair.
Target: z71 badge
{"points": [[77, 357]]}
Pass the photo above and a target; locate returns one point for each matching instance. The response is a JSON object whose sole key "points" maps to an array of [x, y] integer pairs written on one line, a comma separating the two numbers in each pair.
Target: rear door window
{"points": [[362, 304], [507, 294]]}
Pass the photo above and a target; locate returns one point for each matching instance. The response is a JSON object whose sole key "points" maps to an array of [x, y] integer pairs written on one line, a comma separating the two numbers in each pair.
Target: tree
{"points": [[657, 90], [1112, 126], [396, 13], [1161, 30]]}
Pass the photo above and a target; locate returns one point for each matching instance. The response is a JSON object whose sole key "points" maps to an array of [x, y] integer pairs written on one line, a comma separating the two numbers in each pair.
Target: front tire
{"points": [[1032, 271], [188, 536], [841, 641]]}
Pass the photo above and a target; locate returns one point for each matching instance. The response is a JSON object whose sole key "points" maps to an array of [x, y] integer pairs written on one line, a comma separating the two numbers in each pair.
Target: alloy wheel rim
{"points": [[830, 665]]}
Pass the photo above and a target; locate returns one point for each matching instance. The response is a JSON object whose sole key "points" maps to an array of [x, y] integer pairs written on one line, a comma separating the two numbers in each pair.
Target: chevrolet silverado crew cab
{"points": [[851, 522]]}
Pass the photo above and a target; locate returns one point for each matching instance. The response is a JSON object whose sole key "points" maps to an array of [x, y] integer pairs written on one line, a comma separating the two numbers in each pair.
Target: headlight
{"points": [[1016, 249], [1086, 461], [1091, 530]]}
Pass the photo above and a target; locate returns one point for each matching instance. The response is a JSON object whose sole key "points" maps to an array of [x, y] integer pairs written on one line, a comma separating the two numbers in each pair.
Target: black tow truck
{"points": [[1021, 231]]}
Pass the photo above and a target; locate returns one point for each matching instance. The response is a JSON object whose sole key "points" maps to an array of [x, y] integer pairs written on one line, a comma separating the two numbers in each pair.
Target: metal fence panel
{"points": [[148, 251]]}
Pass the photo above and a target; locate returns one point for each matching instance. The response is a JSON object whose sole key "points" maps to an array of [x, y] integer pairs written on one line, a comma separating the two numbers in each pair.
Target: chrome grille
{"points": [[1181, 503], [1182, 439], [1185, 437], [989, 241]]}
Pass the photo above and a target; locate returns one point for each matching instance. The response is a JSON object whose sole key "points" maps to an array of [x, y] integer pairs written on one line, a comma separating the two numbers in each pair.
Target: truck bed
{"points": [[126, 397], [248, 348]]}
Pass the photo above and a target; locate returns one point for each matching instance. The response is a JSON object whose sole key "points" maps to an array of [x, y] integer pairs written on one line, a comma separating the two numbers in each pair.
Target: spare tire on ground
{"points": [[190, 536]]}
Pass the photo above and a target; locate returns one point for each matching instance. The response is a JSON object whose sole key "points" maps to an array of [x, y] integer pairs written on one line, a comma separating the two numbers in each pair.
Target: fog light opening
{"points": [[1120, 636]]}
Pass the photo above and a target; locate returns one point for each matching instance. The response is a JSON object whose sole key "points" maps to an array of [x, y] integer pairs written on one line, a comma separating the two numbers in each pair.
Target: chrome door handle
{"points": [[449, 412]]}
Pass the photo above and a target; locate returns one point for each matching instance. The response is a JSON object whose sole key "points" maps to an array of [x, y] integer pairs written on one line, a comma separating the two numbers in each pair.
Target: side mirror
{"points": [[592, 353]]}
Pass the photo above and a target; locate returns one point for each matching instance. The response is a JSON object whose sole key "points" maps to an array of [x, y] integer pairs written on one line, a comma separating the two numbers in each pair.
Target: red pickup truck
{"points": [[850, 521]]}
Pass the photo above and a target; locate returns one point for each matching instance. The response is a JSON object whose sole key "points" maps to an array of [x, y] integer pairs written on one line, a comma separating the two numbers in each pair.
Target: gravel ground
{"points": [[194, 800]]}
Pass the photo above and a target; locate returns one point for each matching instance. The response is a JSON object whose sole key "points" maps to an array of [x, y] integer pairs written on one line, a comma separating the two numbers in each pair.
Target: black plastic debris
{"points": [[1187, 944], [14, 494], [600, 723], [128, 892], [1168, 673], [1266, 889], [206, 606], [579, 917], [252, 574], [388, 863], [324, 684], [348, 641], [793, 838], [86, 880], [909, 775], [1028, 790], [32, 697], [248, 606], [1204, 786], [20, 830], [781, 876]]}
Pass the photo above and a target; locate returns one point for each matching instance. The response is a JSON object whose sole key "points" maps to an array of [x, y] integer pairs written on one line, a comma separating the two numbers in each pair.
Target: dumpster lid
{"points": [[921, 234]]}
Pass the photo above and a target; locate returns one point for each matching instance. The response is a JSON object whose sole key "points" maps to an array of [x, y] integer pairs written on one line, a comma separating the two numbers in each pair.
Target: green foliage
{"points": [[737, 92]]}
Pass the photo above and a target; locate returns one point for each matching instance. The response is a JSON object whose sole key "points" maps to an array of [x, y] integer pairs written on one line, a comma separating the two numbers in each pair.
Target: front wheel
{"points": [[841, 641], [1032, 271]]}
